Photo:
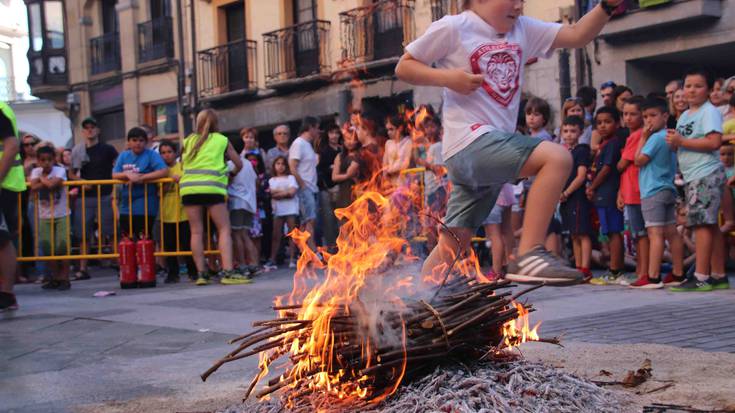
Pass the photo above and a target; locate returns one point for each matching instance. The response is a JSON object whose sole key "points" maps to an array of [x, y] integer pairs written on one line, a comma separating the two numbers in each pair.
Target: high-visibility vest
{"points": [[15, 180], [206, 173]]}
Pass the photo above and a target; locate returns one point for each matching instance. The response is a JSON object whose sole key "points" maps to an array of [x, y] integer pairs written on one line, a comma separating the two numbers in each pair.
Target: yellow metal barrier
{"points": [[106, 246]]}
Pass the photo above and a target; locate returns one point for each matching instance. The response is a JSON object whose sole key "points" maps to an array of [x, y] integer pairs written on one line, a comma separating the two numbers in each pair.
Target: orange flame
{"points": [[517, 331]]}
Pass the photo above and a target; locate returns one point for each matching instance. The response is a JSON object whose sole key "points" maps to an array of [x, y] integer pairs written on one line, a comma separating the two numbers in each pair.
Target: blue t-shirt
{"points": [[696, 125], [606, 194], [148, 161], [658, 174]]}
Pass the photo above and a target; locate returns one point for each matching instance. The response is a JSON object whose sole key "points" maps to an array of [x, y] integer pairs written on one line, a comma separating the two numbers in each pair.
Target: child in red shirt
{"points": [[629, 196]]}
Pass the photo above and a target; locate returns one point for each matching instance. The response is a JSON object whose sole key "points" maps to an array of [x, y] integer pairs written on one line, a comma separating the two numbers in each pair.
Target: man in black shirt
{"points": [[93, 160]]}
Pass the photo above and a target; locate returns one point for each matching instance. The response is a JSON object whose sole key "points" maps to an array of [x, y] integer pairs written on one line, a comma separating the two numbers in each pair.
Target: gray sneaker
{"points": [[540, 266]]}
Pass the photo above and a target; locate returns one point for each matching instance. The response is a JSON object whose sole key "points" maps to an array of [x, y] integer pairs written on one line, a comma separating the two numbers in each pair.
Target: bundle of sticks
{"points": [[463, 321]]}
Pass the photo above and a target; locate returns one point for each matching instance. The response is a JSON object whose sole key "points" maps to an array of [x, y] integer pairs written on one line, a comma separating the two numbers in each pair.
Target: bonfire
{"points": [[355, 326]]}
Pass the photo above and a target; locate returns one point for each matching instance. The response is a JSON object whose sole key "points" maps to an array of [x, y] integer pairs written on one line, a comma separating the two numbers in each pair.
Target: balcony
{"points": [[440, 8], [297, 54], [228, 70], [377, 33], [155, 39], [48, 71], [105, 53], [660, 17]]}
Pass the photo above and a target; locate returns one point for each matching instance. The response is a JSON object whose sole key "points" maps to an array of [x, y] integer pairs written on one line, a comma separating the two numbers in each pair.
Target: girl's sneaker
{"points": [[234, 277], [202, 279], [269, 266], [719, 283], [671, 280], [646, 283]]}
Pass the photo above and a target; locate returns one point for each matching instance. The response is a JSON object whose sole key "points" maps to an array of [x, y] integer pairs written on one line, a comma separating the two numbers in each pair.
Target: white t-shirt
{"points": [[284, 207], [302, 151], [434, 157], [242, 188], [467, 42], [60, 209]]}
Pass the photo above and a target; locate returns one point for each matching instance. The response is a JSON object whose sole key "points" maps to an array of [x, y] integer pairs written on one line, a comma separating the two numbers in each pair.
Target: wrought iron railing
{"points": [[297, 51], [155, 39], [440, 8], [378, 31], [228, 68], [105, 52]]}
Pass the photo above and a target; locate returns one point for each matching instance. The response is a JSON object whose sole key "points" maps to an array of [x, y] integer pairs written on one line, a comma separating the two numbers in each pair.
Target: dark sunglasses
{"points": [[573, 99]]}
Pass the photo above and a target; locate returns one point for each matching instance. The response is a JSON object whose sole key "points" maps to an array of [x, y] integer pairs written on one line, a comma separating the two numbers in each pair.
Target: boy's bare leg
{"points": [[617, 252], [551, 164], [643, 248], [586, 250], [656, 237], [717, 263], [703, 239], [497, 246], [238, 247], [446, 249], [676, 244], [250, 254], [577, 249]]}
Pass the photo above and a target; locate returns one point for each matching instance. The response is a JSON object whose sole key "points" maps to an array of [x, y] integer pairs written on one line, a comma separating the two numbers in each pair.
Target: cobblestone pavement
{"points": [[64, 349]]}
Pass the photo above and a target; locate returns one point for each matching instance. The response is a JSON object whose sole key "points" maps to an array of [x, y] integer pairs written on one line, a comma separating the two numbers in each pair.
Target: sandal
{"points": [[81, 275]]}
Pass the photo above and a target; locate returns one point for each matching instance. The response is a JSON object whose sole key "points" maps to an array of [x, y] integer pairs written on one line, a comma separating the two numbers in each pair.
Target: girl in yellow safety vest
{"points": [[203, 186]]}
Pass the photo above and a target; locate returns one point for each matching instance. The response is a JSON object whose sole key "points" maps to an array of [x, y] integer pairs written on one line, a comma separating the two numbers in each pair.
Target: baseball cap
{"points": [[89, 119]]}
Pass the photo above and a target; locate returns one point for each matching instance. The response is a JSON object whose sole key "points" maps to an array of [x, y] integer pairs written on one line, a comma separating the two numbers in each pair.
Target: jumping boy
{"points": [[657, 163], [480, 56]]}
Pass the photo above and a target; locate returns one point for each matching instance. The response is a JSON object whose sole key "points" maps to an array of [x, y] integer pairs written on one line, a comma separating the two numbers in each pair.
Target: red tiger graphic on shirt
{"points": [[501, 65]]}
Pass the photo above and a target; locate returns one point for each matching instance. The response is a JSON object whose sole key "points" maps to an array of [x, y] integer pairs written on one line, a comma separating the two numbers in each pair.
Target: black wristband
{"points": [[608, 9]]}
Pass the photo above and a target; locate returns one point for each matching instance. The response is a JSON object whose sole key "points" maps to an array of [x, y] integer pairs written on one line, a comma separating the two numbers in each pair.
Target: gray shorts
{"points": [[703, 198], [241, 219], [659, 209], [479, 171], [307, 205]]}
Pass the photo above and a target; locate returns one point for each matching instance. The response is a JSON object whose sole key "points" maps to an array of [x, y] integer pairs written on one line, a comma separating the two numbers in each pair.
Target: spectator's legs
{"points": [[221, 217], [169, 245], [717, 264], [276, 238], [704, 239], [184, 243], [676, 245], [291, 223], [497, 246], [656, 236], [551, 164], [617, 251], [586, 250], [238, 246], [7, 269], [250, 251], [507, 230], [643, 248], [196, 224], [577, 249]]}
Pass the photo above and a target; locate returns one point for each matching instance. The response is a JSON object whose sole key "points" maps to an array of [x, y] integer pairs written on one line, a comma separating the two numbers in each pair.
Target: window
{"points": [[34, 15], [163, 117], [304, 11], [47, 54], [54, 19]]}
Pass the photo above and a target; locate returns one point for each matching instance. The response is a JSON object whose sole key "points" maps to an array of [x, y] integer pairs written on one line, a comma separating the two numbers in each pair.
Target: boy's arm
{"points": [[711, 142], [623, 164], [600, 177], [150, 176], [579, 34], [577, 182], [642, 159], [418, 73]]}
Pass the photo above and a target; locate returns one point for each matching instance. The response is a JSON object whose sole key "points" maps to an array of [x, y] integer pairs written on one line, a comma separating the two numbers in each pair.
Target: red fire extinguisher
{"points": [[128, 264], [146, 263]]}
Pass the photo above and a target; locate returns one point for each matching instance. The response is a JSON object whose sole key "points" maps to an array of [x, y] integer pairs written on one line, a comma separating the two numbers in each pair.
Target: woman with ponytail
{"points": [[203, 186]]}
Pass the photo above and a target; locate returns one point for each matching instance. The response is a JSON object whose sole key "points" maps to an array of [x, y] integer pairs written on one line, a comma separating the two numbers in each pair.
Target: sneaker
{"points": [[540, 266], [269, 266], [292, 264], [233, 277], [63, 285], [627, 279], [693, 284], [609, 278], [171, 279], [8, 302], [50, 285], [202, 279], [646, 283], [720, 283], [253, 270], [671, 280]]}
